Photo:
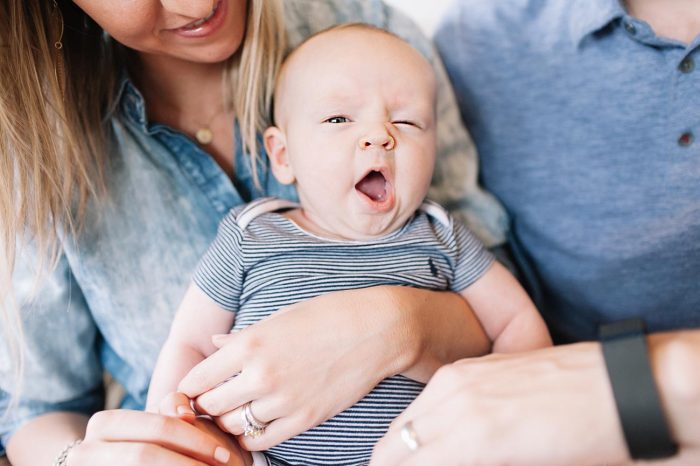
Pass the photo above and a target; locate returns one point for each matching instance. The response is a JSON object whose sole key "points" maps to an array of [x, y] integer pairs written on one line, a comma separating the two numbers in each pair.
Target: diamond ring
{"points": [[252, 426]]}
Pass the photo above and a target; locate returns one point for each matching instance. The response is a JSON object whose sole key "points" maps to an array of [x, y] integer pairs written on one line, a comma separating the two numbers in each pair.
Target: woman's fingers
{"points": [[120, 453], [233, 393], [296, 380], [278, 431], [231, 422], [215, 369], [264, 410], [143, 428]]}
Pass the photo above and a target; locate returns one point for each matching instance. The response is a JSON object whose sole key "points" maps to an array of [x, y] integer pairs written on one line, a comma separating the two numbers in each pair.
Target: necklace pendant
{"points": [[204, 136]]}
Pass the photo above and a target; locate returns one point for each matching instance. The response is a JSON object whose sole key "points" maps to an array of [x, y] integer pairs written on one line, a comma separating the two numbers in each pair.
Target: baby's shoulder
{"points": [[237, 222], [434, 213], [244, 215]]}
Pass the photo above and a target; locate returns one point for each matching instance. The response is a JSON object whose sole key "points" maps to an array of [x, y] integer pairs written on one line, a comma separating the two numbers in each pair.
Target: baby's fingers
{"points": [[176, 404]]}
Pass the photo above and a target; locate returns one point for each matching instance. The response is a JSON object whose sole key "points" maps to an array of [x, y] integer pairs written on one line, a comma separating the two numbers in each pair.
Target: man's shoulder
{"points": [[510, 10], [507, 20], [505, 42]]}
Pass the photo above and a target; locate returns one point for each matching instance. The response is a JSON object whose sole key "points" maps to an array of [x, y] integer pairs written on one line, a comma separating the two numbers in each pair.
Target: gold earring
{"points": [[58, 46]]}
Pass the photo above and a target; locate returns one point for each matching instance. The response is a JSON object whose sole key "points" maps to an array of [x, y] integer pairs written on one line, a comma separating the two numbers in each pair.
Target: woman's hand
{"points": [[133, 437], [303, 365], [547, 407]]}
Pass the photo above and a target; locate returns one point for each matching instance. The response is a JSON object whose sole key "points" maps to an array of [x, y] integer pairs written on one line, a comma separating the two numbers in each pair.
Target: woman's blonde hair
{"points": [[54, 122]]}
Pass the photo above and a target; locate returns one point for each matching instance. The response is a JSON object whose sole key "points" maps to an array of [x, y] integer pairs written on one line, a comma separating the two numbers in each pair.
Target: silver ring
{"points": [[252, 426], [409, 436]]}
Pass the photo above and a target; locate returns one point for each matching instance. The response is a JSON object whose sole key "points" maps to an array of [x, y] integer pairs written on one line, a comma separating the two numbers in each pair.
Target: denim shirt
{"points": [[109, 303]]}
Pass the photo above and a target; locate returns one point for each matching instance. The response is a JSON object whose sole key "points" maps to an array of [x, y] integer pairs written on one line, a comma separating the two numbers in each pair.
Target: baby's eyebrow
{"points": [[324, 107], [337, 98]]}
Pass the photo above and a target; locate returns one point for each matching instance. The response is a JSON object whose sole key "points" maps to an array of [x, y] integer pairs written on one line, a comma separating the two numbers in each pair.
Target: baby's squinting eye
{"points": [[406, 122], [337, 119]]}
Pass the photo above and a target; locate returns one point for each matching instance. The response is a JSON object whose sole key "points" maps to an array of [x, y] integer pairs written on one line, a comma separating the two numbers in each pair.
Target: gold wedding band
{"points": [[409, 436]]}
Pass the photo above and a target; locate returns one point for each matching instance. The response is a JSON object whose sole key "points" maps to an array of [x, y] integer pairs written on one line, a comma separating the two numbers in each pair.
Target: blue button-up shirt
{"points": [[587, 125], [109, 303]]}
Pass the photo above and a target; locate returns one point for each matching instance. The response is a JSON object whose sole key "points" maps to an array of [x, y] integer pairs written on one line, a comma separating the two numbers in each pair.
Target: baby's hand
{"points": [[176, 404]]}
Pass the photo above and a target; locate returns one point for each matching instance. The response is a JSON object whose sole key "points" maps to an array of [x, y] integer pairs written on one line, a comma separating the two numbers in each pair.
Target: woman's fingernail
{"points": [[184, 410], [222, 455]]}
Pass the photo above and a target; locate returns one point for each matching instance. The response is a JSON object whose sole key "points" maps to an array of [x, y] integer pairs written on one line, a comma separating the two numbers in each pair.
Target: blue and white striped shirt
{"points": [[261, 261]]}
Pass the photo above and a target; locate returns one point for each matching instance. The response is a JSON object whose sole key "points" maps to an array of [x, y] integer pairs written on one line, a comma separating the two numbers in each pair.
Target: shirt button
{"points": [[629, 27], [687, 65], [686, 139]]}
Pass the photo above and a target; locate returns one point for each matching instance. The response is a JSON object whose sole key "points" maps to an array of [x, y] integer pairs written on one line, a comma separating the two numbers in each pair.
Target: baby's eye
{"points": [[406, 122], [337, 119]]}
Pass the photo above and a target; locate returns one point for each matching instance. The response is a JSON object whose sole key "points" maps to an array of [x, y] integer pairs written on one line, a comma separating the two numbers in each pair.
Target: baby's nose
{"points": [[377, 138]]}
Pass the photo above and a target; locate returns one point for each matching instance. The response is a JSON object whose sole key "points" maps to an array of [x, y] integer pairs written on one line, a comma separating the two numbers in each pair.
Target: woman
{"points": [[131, 160]]}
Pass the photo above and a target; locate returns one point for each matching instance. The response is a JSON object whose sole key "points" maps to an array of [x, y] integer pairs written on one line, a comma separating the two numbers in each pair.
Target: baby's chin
{"points": [[355, 218], [367, 226]]}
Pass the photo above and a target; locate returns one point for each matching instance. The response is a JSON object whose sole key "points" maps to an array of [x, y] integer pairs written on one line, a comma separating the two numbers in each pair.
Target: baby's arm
{"points": [[506, 312], [189, 342]]}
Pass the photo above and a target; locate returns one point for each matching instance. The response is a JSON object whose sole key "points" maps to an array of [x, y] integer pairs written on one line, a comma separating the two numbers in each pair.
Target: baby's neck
{"points": [[307, 224]]}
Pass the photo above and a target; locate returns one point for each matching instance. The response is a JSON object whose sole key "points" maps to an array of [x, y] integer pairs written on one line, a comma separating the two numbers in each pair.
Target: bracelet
{"points": [[61, 459], [636, 397]]}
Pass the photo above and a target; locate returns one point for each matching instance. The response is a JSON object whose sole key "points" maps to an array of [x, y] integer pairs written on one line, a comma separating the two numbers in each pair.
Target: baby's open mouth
{"points": [[373, 185]]}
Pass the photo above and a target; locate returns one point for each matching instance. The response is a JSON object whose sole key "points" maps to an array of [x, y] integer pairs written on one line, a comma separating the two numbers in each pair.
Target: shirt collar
{"points": [[590, 16], [130, 101]]}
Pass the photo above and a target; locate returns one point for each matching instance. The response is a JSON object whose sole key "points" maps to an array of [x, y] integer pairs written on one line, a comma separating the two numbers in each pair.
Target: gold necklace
{"points": [[204, 134]]}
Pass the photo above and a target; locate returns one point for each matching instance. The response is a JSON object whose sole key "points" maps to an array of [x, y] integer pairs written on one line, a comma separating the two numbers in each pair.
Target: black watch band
{"points": [[638, 405]]}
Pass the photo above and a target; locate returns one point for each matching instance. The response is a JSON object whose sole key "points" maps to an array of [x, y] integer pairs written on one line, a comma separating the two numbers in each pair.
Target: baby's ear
{"points": [[276, 147]]}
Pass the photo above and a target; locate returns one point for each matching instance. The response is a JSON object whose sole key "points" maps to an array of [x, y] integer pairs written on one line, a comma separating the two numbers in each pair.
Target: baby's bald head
{"points": [[344, 49]]}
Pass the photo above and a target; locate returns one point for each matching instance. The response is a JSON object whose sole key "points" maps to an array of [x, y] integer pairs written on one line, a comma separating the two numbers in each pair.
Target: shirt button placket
{"points": [[686, 66]]}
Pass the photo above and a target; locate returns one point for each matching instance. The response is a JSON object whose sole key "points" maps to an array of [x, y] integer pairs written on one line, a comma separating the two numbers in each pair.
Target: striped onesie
{"points": [[261, 261]]}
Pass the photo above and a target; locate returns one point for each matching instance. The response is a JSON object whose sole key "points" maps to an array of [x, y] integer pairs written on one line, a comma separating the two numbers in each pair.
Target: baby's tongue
{"points": [[373, 186]]}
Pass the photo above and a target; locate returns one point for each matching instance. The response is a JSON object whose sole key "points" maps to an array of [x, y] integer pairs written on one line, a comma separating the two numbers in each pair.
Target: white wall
{"points": [[425, 12]]}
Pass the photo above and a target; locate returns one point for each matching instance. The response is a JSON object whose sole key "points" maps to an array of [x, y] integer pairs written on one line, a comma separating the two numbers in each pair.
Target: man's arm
{"points": [[549, 407]]}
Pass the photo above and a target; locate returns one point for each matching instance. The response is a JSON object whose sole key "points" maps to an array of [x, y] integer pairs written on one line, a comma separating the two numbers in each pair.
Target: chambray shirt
{"points": [[588, 129], [109, 303]]}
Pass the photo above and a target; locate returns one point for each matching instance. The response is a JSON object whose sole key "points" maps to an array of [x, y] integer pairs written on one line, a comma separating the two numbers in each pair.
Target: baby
{"points": [[355, 131]]}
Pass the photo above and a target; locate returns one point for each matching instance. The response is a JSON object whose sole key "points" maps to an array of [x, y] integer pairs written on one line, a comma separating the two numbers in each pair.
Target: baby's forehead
{"points": [[344, 40], [340, 54]]}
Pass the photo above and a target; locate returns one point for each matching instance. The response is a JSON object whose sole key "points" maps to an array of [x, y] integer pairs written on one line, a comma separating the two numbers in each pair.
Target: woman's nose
{"points": [[190, 8], [377, 138]]}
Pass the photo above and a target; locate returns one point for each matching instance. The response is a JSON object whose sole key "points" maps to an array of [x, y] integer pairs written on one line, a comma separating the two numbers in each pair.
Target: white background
{"points": [[425, 12]]}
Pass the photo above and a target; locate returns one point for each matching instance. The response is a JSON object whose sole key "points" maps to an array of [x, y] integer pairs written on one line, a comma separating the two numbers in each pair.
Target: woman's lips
{"points": [[205, 26]]}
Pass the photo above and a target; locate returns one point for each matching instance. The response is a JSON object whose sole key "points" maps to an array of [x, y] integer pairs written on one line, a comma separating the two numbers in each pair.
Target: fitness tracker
{"points": [[638, 405]]}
